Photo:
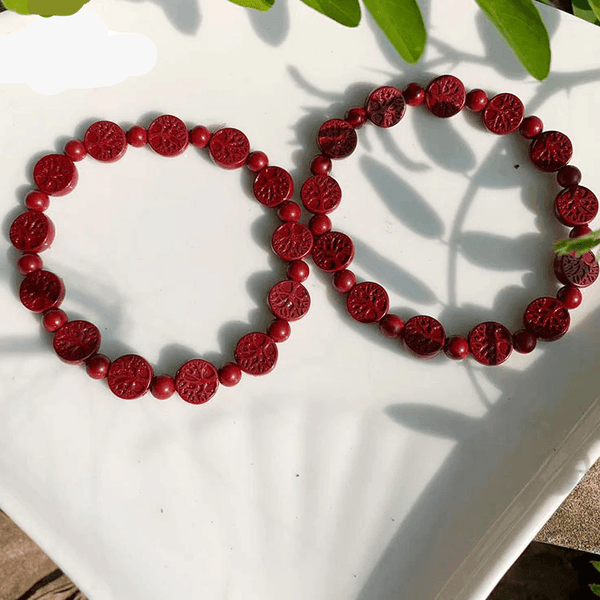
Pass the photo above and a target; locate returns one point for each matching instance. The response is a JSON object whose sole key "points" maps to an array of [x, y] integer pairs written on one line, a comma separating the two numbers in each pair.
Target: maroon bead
{"points": [[292, 241], [76, 341], [445, 96], [289, 211], [256, 354], [367, 302], [357, 117], [476, 101], [321, 194], [229, 148], [41, 290], [162, 387], [423, 336], [568, 176], [197, 381], [581, 271], [97, 366], [289, 300], [385, 106], [32, 231], [547, 318], [37, 200], [414, 94], [256, 161], [54, 319], [129, 376], [503, 114], [230, 374], [168, 136], [28, 263], [321, 165], [530, 127], [137, 136], [457, 346], [279, 330], [105, 141], [390, 326], [524, 341], [298, 271], [200, 137], [344, 281], [272, 186], [575, 205], [490, 343], [570, 296], [579, 231], [75, 150], [550, 151], [319, 224], [55, 174], [337, 139], [333, 251]]}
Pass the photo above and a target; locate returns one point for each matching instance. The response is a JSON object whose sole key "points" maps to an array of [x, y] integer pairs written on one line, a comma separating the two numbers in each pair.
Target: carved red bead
{"points": [[321, 194], [337, 138], [97, 366], [423, 336], [168, 136], [256, 354], [575, 205], [162, 387], [385, 106], [503, 114], [129, 376], [547, 318], [550, 151], [229, 148], [55, 174], [333, 251], [292, 241], [105, 141], [367, 302], [32, 231], [581, 271], [445, 96], [490, 343], [272, 186], [76, 341], [289, 300], [41, 291], [457, 346], [197, 381]]}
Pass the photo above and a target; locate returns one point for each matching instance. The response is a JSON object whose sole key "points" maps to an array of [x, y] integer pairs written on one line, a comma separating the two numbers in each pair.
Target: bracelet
{"points": [[78, 342], [490, 343]]}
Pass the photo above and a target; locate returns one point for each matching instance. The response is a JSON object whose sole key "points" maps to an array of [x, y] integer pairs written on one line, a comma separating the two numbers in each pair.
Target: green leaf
{"points": [[19, 6], [262, 5], [596, 564], [402, 23], [579, 245], [345, 12], [595, 6], [595, 588], [587, 9], [520, 24]]}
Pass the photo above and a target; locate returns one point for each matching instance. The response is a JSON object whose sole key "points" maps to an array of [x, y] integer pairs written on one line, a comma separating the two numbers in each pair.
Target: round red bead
{"points": [[162, 387], [357, 117], [445, 96], [229, 148], [321, 165], [385, 106], [581, 271], [105, 141], [476, 101], [75, 150], [503, 114], [530, 127], [423, 336], [333, 251], [55, 174], [319, 224], [54, 319], [321, 194], [414, 94], [292, 241], [41, 290], [37, 200], [390, 326], [550, 151], [272, 186], [137, 136], [524, 341], [298, 270], [28, 263], [575, 205], [344, 281], [168, 136], [490, 343], [129, 376], [197, 381], [337, 138], [579, 231], [457, 347], [570, 296], [200, 136], [256, 161], [32, 231], [279, 330], [289, 300], [76, 341], [289, 211], [568, 176], [256, 354], [367, 302], [547, 318], [230, 374], [97, 366]]}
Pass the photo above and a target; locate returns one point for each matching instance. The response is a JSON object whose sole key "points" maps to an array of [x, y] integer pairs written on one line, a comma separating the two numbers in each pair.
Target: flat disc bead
{"points": [[581, 271], [41, 290], [292, 241], [76, 341], [367, 302], [550, 151], [230, 374], [547, 318], [97, 366], [105, 141], [503, 114], [197, 381], [168, 136], [37, 200], [575, 205], [272, 186], [162, 387], [289, 300], [130, 376], [337, 138], [490, 343], [385, 106], [55, 174], [321, 194], [445, 96], [32, 231], [423, 336], [229, 148], [333, 251], [256, 354]]}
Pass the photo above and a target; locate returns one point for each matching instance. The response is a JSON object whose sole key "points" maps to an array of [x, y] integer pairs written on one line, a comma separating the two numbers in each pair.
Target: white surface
{"points": [[352, 471]]}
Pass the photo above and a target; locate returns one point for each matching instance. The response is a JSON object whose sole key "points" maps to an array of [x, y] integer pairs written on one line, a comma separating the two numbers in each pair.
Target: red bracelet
{"points": [[78, 342], [490, 343]]}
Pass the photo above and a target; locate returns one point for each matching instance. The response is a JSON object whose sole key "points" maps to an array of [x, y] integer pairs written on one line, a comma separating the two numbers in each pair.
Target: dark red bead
{"points": [[41, 290], [490, 343], [367, 302], [423, 336], [547, 318], [256, 161], [457, 346], [321, 194], [503, 114], [579, 231], [32, 231], [292, 241], [550, 151], [385, 106], [298, 270], [414, 94], [162, 387], [97, 366], [105, 141], [37, 200], [200, 137], [28, 263], [581, 271], [279, 330], [197, 381], [256, 354], [129, 376], [390, 326], [568, 176], [168, 136], [575, 205], [476, 101], [319, 224], [75, 150], [137, 136], [445, 96], [76, 341], [570, 296], [524, 341], [337, 139], [289, 211], [289, 300], [530, 127], [55, 174], [229, 148], [54, 319], [344, 281], [321, 165], [357, 117], [230, 374], [272, 186], [333, 251]]}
